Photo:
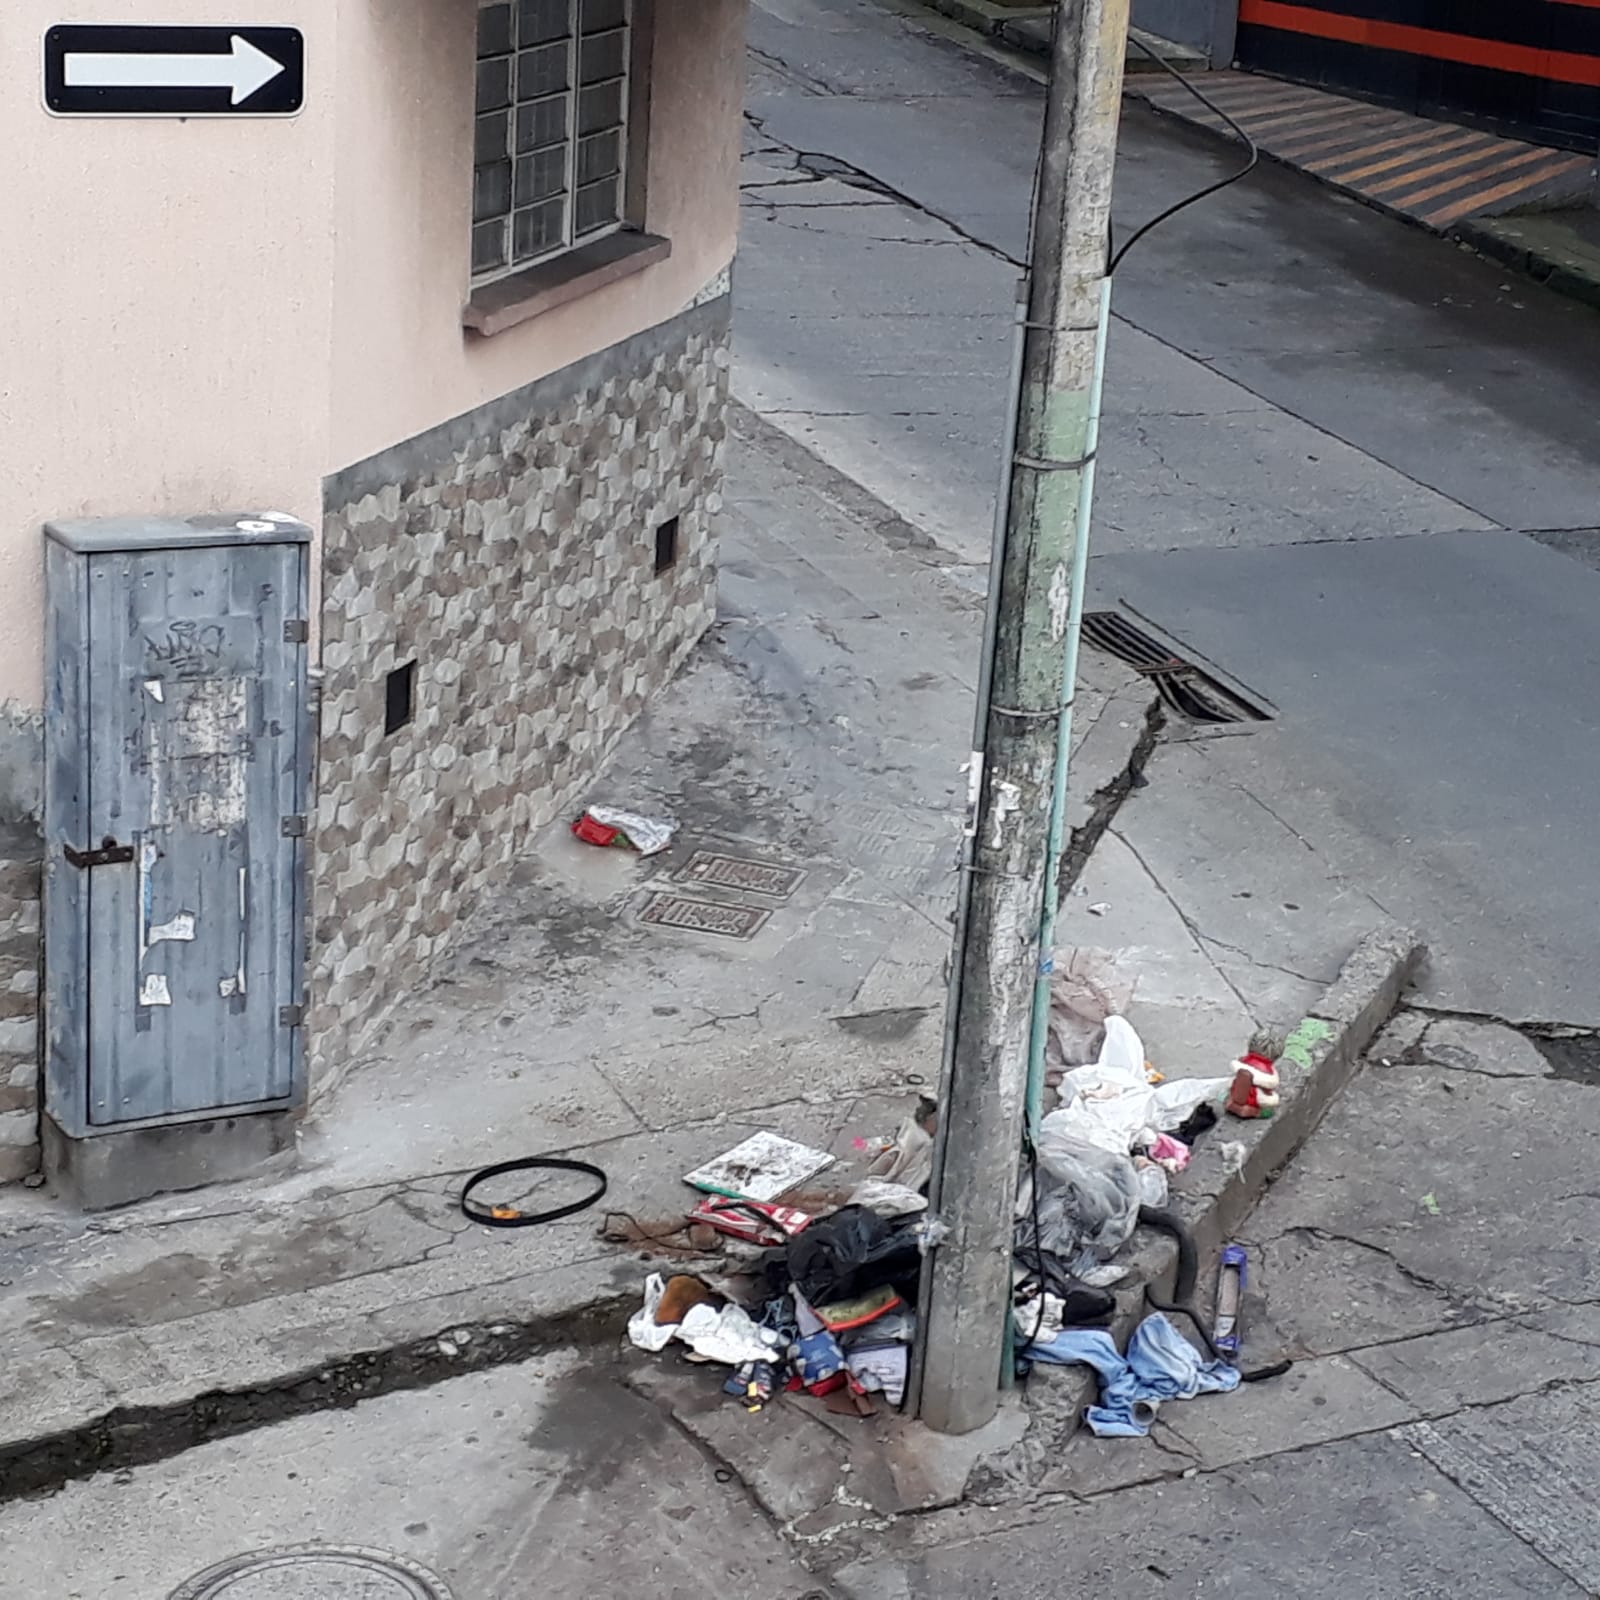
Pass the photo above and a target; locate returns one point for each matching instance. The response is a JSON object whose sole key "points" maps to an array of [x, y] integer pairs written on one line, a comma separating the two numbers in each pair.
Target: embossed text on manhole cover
{"points": [[313, 1572], [704, 916], [741, 872]]}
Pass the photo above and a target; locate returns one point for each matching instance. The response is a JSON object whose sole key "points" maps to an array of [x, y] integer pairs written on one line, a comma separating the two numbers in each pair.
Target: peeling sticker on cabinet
{"points": [[148, 856], [179, 930], [153, 991], [156, 690], [229, 987], [203, 761]]}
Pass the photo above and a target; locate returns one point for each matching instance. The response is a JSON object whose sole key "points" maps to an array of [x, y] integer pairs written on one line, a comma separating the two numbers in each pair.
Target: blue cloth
{"points": [[1160, 1365]]}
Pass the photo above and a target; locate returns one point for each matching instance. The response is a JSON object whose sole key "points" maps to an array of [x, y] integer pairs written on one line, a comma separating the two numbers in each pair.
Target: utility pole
{"points": [[1004, 928]]}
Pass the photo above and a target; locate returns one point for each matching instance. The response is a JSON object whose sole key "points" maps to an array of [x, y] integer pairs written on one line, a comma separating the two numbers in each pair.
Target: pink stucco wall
{"points": [[404, 143], [216, 314], [165, 310]]}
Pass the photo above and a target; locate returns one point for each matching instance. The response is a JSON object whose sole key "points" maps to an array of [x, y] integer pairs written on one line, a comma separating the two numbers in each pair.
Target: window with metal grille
{"points": [[552, 129]]}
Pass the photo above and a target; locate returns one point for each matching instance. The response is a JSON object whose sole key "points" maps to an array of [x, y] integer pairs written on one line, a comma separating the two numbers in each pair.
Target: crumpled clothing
{"points": [[1160, 1365], [1173, 1154], [1113, 1105]]}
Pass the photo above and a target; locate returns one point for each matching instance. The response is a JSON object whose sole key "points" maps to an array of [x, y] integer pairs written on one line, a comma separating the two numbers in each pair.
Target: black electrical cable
{"points": [[1222, 183], [511, 1216], [1032, 1153]]}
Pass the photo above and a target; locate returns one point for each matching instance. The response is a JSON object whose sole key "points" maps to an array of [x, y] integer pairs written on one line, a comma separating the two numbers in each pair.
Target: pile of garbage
{"points": [[824, 1305], [1101, 1165]]}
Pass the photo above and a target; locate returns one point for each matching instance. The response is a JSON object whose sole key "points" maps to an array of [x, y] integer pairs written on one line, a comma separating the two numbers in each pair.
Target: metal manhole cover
{"points": [[741, 872], [704, 916], [313, 1572]]}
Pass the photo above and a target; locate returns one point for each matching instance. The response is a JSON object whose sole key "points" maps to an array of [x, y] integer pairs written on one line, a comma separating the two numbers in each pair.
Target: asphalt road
{"points": [[1352, 464]]}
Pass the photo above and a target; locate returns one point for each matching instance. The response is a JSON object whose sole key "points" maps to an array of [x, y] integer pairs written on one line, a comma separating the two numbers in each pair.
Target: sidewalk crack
{"points": [[1188, 922], [830, 166]]}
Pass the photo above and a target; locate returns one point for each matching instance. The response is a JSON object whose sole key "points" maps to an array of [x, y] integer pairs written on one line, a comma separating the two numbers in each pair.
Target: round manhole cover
{"points": [[313, 1572]]}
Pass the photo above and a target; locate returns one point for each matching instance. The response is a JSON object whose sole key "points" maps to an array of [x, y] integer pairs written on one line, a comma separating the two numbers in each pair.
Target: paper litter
{"points": [[760, 1168]]}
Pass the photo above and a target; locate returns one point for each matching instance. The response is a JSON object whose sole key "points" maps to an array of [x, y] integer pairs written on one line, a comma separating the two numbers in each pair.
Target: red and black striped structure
{"points": [[1531, 67]]}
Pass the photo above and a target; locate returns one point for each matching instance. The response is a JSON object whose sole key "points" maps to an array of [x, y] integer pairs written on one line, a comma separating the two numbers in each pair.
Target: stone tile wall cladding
{"points": [[512, 555], [20, 874]]}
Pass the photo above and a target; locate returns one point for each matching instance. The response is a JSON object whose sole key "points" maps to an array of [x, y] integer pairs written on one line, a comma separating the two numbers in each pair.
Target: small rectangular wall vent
{"points": [[399, 697]]}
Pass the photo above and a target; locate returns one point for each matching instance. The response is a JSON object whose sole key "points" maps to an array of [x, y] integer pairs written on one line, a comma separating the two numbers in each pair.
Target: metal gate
{"points": [[179, 753], [1530, 68]]}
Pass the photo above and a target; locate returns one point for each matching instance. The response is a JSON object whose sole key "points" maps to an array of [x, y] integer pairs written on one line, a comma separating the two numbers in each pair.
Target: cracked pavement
{"points": [[1332, 453], [1437, 1435], [809, 731]]}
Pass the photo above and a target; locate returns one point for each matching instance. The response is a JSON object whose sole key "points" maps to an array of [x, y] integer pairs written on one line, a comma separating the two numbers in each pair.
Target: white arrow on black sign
{"points": [[243, 71], [111, 70]]}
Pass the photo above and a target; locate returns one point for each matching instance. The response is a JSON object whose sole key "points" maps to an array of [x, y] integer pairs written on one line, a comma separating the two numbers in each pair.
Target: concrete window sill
{"points": [[525, 295]]}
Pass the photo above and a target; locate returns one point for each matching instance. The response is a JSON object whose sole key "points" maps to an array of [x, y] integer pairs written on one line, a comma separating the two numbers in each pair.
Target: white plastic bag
{"points": [[643, 1329], [1113, 1104], [647, 835], [1152, 1186], [1088, 1201], [1110, 1102], [887, 1199], [728, 1335]]}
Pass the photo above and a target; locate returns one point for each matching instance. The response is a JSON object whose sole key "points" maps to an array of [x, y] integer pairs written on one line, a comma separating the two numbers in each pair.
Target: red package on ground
{"points": [[592, 832], [755, 1221]]}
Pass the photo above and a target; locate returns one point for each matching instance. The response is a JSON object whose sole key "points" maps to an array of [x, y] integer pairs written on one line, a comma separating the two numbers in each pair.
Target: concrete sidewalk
{"points": [[822, 729], [1426, 1263]]}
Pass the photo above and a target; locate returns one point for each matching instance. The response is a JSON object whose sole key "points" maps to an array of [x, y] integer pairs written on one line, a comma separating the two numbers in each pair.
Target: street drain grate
{"points": [[704, 916], [715, 871], [1189, 690], [313, 1572]]}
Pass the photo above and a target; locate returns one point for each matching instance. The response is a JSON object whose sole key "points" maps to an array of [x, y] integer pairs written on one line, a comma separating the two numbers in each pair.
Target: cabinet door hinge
{"points": [[109, 854], [291, 1016], [296, 631], [295, 827]]}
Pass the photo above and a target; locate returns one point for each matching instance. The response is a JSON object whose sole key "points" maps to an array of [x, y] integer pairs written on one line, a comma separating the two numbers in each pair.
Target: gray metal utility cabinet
{"points": [[179, 750]]}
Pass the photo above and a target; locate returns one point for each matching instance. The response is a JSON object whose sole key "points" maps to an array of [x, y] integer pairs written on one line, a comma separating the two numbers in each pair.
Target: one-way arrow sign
{"points": [[131, 71]]}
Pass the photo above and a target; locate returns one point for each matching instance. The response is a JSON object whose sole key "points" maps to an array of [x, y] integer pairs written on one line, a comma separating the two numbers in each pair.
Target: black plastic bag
{"points": [[852, 1252]]}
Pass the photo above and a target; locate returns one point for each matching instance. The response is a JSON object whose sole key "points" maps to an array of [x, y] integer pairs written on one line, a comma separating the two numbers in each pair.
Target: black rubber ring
{"points": [[485, 1217]]}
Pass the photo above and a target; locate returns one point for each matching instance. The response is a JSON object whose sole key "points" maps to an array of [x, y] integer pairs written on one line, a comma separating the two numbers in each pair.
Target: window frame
{"points": [[630, 130]]}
